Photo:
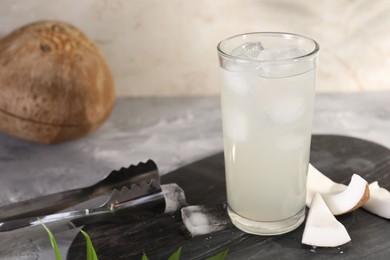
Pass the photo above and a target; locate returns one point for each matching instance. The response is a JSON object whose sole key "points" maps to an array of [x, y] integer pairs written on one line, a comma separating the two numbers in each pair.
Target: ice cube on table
{"points": [[202, 220], [287, 109], [174, 197]]}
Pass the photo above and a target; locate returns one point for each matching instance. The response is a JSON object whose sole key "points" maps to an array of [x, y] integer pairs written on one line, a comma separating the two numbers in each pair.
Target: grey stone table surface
{"points": [[172, 131]]}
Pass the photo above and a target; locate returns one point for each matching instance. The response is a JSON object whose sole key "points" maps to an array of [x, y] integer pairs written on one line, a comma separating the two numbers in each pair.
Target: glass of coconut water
{"points": [[267, 95]]}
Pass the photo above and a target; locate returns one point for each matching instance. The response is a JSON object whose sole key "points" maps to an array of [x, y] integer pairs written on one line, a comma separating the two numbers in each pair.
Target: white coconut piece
{"points": [[322, 228], [354, 196], [379, 201], [318, 182]]}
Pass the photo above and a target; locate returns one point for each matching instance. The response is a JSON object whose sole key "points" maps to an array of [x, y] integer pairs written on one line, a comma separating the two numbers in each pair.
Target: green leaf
{"points": [[53, 242], [91, 253], [144, 257], [175, 255], [219, 256]]}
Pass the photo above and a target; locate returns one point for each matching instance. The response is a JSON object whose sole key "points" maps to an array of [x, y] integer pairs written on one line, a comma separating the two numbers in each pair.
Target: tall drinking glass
{"points": [[267, 95]]}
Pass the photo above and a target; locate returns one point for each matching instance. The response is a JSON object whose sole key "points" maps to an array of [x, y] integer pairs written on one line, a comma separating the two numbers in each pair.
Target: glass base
{"points": [[267, 228]]}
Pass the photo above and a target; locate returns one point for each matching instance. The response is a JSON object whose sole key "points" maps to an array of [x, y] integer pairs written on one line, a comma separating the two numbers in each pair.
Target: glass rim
{"points": [[289, 35]]}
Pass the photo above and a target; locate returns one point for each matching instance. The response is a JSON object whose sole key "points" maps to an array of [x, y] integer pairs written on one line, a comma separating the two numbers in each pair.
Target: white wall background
{"points": [[168, 47]]}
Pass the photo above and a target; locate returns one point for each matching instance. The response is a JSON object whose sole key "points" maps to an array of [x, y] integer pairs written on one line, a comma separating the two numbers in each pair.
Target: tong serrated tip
{"points": [[125, 195]]}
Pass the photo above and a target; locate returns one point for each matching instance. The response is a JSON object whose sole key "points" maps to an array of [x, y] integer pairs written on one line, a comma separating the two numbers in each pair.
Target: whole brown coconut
{"points": [[54, 83]]}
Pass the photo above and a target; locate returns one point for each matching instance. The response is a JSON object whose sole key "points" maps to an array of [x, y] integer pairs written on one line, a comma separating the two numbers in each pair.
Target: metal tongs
{"points": [[135, 189]]}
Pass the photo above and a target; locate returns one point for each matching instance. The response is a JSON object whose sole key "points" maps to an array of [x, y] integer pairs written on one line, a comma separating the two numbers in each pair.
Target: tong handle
{"points": [[43, 205], [149, 205], [49, 204]]}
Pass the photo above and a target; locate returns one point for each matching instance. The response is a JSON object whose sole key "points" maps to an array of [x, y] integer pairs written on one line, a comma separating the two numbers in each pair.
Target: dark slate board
{"points": [[204, 183]]}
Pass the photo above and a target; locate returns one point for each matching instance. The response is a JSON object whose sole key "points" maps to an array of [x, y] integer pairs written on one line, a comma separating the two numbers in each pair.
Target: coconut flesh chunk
{"points": [[322, 228], [379, 201], [318, 182], [340, 199], [353, 197]]}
